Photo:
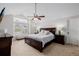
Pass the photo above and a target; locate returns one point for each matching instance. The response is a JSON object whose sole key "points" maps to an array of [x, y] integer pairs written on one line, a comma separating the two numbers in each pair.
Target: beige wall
{"points": [[7, 23]]}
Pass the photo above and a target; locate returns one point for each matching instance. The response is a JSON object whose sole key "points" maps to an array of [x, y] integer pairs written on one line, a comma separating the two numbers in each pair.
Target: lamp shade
{"points": [[60, 26]]}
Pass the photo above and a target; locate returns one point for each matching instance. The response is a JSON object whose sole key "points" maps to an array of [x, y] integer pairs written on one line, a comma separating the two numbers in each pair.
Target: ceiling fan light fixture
{"points": [[35, 14]]}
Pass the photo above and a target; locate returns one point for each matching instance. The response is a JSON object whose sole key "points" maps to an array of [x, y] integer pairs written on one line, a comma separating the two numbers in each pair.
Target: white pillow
{"points": [[47, 32], [44, 32]]}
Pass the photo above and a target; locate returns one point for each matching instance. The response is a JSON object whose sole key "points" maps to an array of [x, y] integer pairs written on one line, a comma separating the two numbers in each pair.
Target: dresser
{"points": [[5, 45]]}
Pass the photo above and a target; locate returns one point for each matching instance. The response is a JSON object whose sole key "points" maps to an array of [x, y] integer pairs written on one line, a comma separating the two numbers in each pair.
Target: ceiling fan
{"points": [[36, 16]]}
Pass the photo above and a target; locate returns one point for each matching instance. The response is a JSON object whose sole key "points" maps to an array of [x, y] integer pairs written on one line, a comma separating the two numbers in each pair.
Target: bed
{"points": [[41, 41]]}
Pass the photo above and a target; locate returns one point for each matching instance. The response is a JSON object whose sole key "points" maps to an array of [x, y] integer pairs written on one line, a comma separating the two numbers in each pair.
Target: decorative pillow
{"points": [[44, 32], [47, 32]]}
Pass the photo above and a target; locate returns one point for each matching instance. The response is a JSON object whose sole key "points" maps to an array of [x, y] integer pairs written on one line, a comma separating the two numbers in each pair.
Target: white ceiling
{"points": [[50, 10]]}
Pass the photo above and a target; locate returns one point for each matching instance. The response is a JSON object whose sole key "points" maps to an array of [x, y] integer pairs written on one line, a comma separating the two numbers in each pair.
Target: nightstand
{"points": [[59, 39]]}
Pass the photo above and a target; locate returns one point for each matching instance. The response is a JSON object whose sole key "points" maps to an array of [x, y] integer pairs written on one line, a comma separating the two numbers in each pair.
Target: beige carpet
{"points": [[20, 48]]}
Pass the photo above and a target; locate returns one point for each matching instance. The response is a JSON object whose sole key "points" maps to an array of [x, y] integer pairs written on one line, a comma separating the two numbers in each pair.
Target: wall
{"points": [[7, 23]]}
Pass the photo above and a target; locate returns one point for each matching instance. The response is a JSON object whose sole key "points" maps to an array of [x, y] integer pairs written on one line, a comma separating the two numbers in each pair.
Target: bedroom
{"points": [[61, 17]]}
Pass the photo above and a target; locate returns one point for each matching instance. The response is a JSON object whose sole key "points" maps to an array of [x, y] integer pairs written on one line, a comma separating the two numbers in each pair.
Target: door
{"points": [[74, 30]]}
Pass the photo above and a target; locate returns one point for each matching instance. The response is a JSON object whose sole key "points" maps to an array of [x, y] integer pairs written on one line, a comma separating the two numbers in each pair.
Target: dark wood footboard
{"points": [[34, 43]]}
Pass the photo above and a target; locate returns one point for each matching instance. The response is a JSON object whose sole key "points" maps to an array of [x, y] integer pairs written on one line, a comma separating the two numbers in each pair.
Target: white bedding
{"points": [[41, 37]]}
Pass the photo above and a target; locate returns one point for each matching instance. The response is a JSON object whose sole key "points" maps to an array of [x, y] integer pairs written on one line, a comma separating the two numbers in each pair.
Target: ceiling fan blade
{"points": [[41, 16], [32, 18]]}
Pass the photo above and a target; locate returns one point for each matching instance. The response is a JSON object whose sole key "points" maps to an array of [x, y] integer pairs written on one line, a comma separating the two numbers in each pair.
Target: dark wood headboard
{"points": [[52, 30]]}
